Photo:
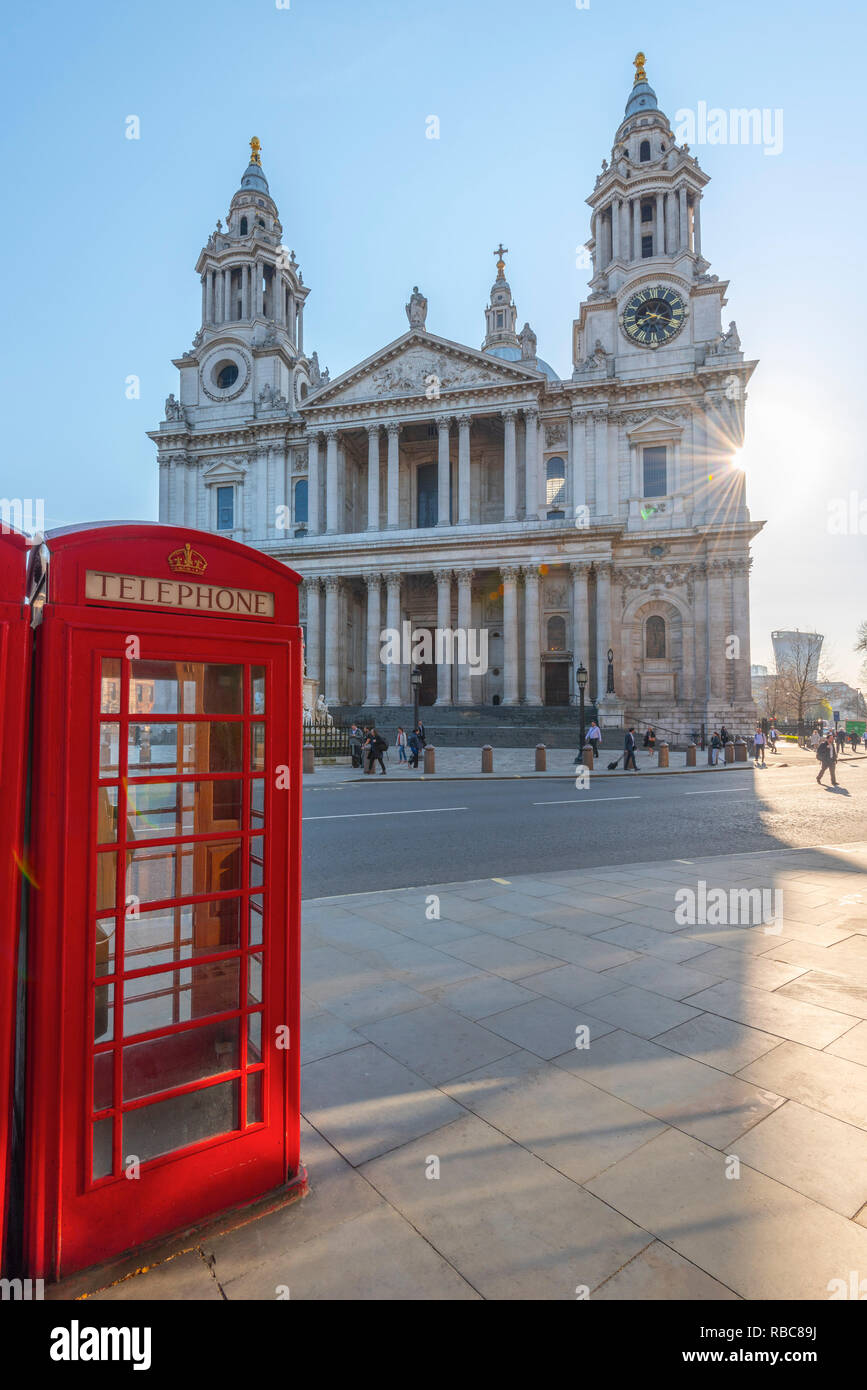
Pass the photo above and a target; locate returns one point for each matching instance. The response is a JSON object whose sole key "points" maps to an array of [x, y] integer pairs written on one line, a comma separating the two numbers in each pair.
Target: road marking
{"points": [[501, 880], [719, 789], [587, 801], [357, 815]]}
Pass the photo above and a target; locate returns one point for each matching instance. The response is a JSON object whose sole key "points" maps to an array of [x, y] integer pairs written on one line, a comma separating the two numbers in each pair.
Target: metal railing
{"points": [[327, 740]]}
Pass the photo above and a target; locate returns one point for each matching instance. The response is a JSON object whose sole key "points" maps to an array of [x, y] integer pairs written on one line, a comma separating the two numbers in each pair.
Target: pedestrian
{"points": [[759, 746], [378, 746], [420, 734], [815, 739], [841, 738], [414, 746], [773, 735], [715, 746], [367, 750], [594, 738], [629, 745], [827, 755], [355, 742], [400, 742], [724, 735], [650, 740]]}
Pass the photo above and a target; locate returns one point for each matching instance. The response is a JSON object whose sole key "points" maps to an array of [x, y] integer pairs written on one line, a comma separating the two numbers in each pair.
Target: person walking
{"points": [[629, 745], [759, 746], [367, 751], [355, 742], [420, 735], [827, 755], [724, 735], [841, 738], [773, 735], [400, 743], [594, 738], [650, 740], [378, 746], [414, 747], [715, 746], [815, 739]]}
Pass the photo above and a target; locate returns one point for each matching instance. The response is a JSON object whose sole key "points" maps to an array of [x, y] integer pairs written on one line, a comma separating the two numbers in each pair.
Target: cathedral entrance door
{"points": [[428, 689], [556, 683]]}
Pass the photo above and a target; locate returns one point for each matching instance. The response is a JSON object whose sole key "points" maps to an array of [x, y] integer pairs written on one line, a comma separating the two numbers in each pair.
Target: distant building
{"points": [[844, 698], [793, 649], [758, 671]]}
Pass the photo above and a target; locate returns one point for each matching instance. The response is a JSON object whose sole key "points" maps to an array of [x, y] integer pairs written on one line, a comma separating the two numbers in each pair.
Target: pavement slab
{"points": [[831, 1084], [773, 1013], [819, 1156]]}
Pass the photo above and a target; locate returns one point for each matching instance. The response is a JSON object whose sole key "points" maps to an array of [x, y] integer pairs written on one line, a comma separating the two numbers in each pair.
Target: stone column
{"points": [[443, 472], [256, 307], [393, 479], [331, 488], [373, 691], [313, 646], [600, 420], [636, 229], [700, 625], [392, 620], [444, 623], [299, 321], [464, 424], [314, 523], [510, 470], [373, 478], [578, 462], [615, 229], [227, 294], [696, 224], [209, 297], [532, 659], [683, 241], [333, 586], [603, 625], [659, 230], [510, 633], [205, 297], [531, 465], [580, 571], [741, 628], [465, 621]]}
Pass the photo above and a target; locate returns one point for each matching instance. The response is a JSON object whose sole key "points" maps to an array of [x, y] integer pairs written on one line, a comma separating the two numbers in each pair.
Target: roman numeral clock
{"points": [[653, 316]]}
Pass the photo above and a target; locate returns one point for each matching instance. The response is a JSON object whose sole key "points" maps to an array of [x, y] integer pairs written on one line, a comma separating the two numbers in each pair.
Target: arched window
{"points": [[555, 486], [556, 634], [654, 637], [644, 152], [243, 226], [301, 502]]}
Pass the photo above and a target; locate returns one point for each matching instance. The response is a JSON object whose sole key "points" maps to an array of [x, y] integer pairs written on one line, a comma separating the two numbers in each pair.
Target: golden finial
{"points": [[255, 147], [640, 74]]}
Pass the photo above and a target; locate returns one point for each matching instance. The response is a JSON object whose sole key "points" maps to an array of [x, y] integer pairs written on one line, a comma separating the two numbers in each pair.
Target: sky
{"points": [[102, 232]]}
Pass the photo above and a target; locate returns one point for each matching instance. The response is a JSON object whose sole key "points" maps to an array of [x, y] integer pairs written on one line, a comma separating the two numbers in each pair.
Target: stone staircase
{"points": [[471, 726]]}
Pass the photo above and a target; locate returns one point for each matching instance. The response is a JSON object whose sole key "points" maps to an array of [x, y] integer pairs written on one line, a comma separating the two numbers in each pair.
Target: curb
{"points": [[559, 776]]}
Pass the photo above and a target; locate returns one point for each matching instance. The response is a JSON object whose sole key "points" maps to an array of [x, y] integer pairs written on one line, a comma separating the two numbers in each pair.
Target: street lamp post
{"points": [[581, 678], [415, 681]]}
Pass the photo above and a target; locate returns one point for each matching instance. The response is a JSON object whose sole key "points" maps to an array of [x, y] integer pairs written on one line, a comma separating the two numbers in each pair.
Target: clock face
{"points": [[653, 316]]}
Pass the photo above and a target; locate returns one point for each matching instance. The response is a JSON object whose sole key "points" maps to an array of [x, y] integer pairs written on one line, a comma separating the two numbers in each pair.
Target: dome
{"points": [[641, 98], [254, 178], [513, 354]]}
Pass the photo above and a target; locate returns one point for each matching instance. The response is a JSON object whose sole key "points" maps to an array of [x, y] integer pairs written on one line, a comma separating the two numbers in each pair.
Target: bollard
{"points": [[308, 764], [541, 764], [740, 751], [430, 762], [587, 755], [487, 758], [729, 752], [690, 755], [663, 755]]}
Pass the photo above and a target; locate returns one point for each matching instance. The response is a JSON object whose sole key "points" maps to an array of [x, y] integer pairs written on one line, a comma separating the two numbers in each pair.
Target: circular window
{"points": [[226, 375]]}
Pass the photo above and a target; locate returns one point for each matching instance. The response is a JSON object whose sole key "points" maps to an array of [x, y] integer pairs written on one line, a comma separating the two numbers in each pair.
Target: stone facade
{"points": [[472, 489]]}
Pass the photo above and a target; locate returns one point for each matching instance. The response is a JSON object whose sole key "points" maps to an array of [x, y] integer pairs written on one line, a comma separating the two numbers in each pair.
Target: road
{"points": [[363, 836]]}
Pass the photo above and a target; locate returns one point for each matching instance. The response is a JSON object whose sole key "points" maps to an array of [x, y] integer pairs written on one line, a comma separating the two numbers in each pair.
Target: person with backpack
{"points": [[773, 735], [715, 748], [827, 756], [400, 744], [414, 747], [378, 747]]}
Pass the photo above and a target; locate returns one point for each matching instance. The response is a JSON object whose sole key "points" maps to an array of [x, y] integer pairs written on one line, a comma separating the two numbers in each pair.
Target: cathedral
{"points": [[594, 521]]}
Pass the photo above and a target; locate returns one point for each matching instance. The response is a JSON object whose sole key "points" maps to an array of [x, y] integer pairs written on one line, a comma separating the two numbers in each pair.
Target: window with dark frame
{"points": [[225, 508], [655, 460]]}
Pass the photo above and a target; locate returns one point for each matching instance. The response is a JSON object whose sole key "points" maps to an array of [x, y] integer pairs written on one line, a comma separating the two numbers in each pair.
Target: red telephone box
{"points": [[163, 1061], [14, 683]]}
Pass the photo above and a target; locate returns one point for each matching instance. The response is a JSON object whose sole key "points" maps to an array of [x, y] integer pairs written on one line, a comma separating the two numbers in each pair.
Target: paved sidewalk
{"points": [[709, 1142], [520, 762]]}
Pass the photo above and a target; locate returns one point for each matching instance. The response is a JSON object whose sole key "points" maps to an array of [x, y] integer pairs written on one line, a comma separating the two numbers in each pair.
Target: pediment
{"points": [[655, 426], [420, 364], [225, 471]]}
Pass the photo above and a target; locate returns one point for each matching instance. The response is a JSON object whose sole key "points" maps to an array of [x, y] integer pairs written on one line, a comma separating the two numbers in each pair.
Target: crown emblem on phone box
{"points": [[187, 561]]}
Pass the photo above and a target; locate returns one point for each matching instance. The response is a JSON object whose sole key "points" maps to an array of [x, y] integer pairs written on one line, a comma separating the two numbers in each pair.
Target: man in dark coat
{"points": [[355, 742], [378, 746], [414, 746], [629, 744], [827, 755]]}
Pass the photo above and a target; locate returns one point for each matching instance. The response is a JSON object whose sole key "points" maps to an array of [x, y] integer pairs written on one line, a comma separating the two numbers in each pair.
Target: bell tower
{"points": [[501, 314]]}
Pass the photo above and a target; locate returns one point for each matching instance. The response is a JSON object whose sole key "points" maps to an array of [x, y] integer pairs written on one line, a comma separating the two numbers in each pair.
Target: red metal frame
{"points": [[14, 699], [192, 995]]}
